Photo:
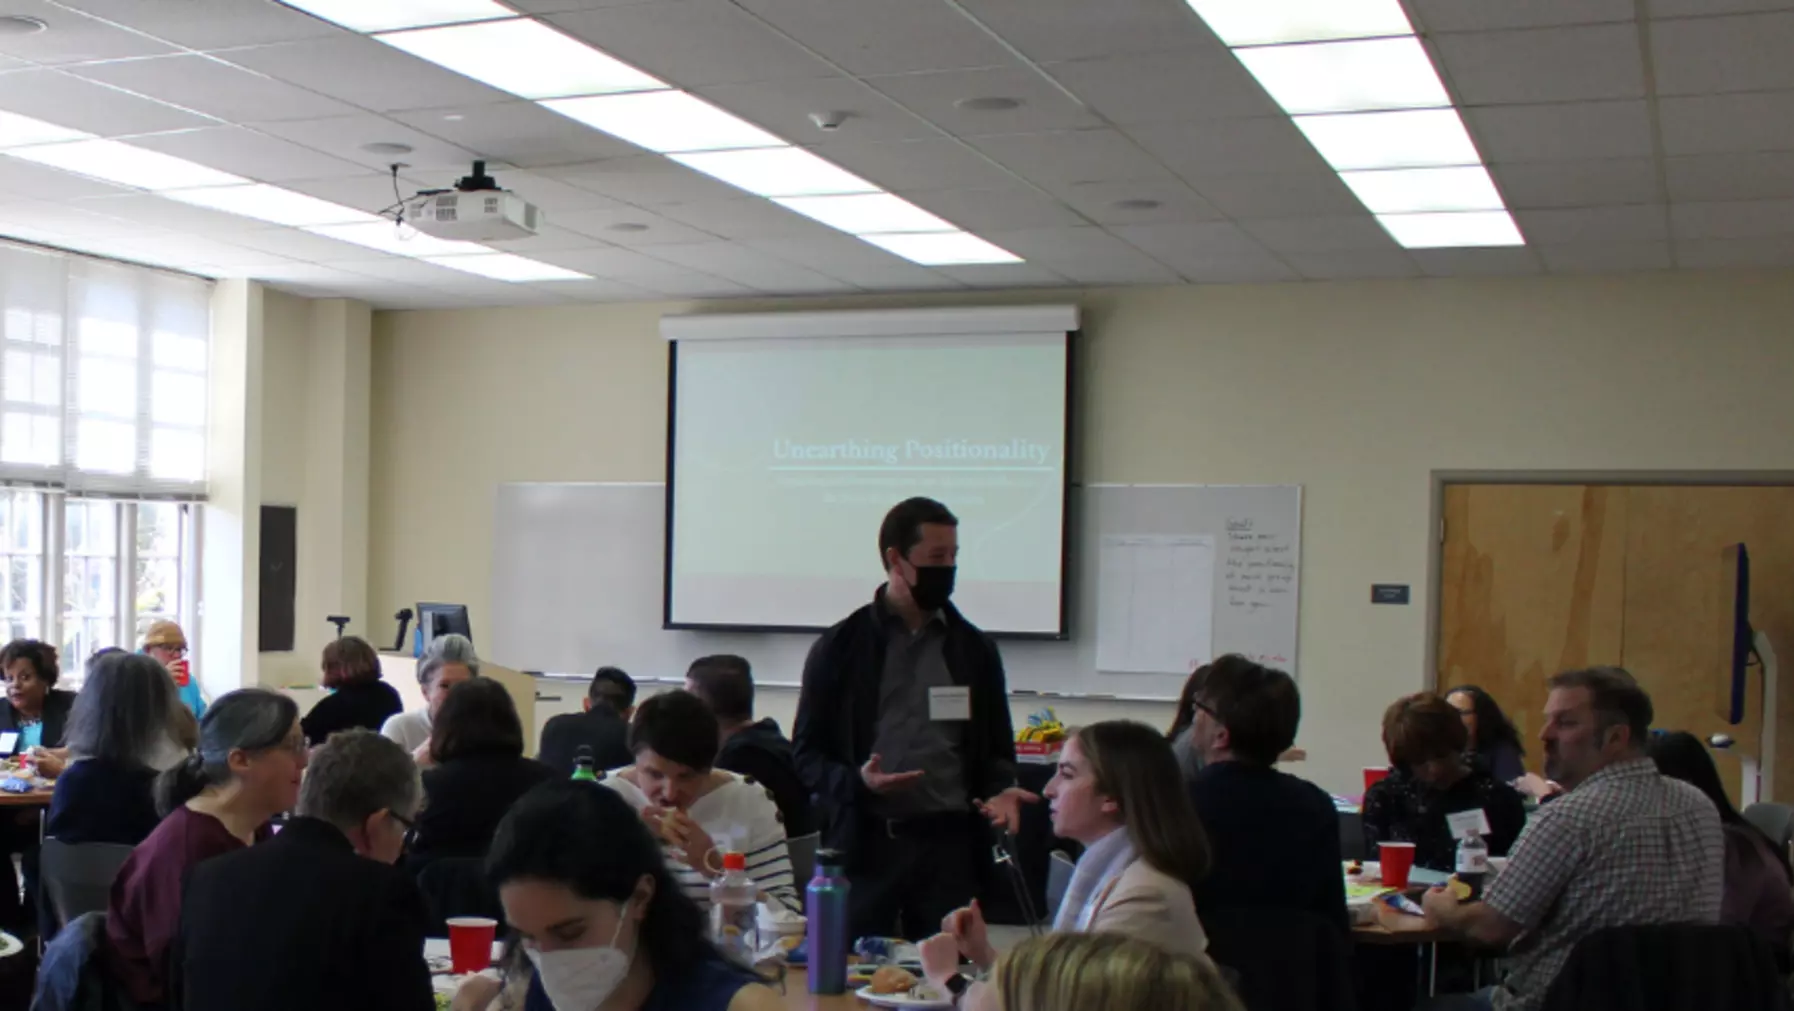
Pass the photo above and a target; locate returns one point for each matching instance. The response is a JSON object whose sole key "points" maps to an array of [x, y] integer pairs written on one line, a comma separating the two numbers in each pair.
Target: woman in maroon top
{"points": [[246, 771]]}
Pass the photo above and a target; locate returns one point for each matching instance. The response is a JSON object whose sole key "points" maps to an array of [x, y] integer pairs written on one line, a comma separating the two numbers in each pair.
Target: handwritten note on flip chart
{"points": [[1258, 581], [1155, 603]]}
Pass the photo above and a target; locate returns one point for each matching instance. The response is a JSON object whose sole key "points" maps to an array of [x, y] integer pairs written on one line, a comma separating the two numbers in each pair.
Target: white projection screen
{"points": [[790, 435]]}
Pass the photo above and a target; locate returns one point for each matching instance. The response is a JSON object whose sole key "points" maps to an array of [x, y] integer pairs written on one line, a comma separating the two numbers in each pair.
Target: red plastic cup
{"points": [[1397, 860], [1374, 774], [470, 943]]}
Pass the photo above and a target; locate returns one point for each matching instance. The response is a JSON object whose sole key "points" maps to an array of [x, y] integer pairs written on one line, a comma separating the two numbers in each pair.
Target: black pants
{"points": [[907, 876]]}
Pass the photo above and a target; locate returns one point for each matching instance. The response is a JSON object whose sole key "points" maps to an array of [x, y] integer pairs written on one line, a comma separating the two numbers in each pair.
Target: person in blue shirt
{"points": [[166, 642], [602, 922]]}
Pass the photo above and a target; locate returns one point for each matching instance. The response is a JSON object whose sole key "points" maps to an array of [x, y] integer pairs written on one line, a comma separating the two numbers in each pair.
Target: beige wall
{"points": [[1357, 391]]}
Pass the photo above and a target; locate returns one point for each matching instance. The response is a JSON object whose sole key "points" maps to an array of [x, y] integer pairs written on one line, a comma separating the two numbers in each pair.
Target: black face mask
{"points": [[932, 586]]}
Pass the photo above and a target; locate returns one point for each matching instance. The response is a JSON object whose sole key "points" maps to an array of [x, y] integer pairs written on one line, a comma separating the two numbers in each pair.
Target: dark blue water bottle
{"points": [[826, 906]]}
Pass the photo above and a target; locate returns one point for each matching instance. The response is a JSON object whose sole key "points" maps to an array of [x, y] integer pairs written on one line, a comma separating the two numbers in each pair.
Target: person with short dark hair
{"points": [[358, 697], [904, 738], [1625, 845], [700, 812], [318, 916], [247, 770], [1274, 837], [34, 708], [601, 728], [757, 750], [1432, 778], [478, 771]]}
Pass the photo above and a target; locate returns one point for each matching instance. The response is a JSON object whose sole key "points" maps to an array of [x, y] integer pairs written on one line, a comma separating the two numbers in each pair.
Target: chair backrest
{"points": [[803, 858], [1287, 959], [1774, 820], [1667, 967], [1059, 871], [77, 878]]}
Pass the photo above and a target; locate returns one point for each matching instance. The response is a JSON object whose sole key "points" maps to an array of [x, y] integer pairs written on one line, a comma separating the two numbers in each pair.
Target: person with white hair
{"points": [[447, 661]]}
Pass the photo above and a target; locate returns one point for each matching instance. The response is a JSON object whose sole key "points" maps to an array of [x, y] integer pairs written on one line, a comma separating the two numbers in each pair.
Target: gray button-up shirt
{"points": [[906, 738]]}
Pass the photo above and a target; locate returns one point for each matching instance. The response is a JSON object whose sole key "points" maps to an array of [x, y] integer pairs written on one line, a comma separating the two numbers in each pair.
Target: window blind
{"points": [[103, 380]]}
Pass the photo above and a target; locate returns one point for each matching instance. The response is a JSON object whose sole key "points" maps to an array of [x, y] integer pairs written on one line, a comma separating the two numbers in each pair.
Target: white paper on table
{"points": [[1155, 603]]}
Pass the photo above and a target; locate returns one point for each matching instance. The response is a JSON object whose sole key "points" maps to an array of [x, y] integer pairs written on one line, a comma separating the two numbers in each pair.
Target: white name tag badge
{"points": [[953, 702], [1465, 822], [8, 741]]}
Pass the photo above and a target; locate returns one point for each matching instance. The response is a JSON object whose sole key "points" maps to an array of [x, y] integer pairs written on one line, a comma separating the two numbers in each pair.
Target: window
{"points": [[103, 376], [124, 564], [104, 397]]}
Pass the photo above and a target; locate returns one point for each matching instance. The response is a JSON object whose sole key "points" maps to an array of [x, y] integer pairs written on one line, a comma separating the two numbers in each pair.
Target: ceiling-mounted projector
{"points": [[476, 210]]}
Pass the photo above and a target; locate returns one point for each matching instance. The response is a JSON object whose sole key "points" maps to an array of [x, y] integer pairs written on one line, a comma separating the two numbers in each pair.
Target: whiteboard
{"points": [[577, 576]]}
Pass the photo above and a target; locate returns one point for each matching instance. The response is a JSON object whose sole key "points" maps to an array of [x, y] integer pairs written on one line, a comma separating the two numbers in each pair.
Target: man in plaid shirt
{"points": [[1624, 846]]}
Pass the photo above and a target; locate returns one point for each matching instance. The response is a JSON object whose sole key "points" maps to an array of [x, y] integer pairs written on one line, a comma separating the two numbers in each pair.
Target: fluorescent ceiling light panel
{"points": [[667, 122], [388, 237], [507, 267], [939, 249], [524, 57], [866, 213], [1439, 231], [1357, 76], [1418, 138], [125, 165], [1269, 22], [272, 204], [390, 15], [1408, 191], [21, 131], [777, 172]]}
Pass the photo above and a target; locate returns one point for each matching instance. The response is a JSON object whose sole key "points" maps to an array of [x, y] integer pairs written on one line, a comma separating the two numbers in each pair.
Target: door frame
{"points": [[1435, 570]]}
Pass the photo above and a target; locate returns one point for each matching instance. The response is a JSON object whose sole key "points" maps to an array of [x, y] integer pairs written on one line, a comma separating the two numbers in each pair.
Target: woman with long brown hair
{"points": [[1119, 793]]}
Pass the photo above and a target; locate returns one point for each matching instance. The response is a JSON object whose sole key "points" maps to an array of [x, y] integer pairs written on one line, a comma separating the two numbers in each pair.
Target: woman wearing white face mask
{"points": [[603, 925]]}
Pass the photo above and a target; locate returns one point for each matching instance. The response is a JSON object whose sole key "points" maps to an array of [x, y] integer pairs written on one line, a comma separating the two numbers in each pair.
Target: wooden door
{"points": [[1533, 583], [1542, 578]]}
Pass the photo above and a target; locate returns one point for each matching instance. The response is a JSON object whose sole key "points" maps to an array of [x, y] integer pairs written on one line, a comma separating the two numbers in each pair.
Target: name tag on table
{"points": [[953, 702], [1465, 822]]}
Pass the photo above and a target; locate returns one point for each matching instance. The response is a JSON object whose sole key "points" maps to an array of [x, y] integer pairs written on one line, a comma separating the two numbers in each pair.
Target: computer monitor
{"points": [[438, 620]]}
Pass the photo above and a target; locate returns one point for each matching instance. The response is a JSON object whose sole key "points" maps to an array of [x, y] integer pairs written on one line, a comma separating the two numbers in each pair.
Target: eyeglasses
{"points": [[1205, 707], [407, 824]]}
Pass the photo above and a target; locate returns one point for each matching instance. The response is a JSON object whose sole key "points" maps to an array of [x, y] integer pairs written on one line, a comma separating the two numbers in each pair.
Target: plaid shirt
{"points": [[1628, 846]]}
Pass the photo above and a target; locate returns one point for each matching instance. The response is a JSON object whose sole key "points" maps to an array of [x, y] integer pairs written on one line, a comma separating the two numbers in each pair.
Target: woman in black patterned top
{"points": [[1426, 739]]}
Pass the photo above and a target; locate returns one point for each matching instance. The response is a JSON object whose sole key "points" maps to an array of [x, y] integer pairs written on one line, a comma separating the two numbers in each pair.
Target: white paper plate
{"points": [[901, 1000], [10, 946]]}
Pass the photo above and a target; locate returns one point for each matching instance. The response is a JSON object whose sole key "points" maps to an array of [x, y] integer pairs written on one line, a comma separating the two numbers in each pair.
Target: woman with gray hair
{"points": [[120, 735], [447, 661], [247, 770]]}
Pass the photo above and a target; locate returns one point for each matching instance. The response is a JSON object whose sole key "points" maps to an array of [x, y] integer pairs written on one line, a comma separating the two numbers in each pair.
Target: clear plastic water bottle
{"points": [[735, 911], [584, 767], [1473, 864], [826, 933]]}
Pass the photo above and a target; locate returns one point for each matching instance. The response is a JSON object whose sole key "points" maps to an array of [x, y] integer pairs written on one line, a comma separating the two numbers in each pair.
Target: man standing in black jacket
{"points": [[757, 750], [603, 726], [316, 917], [904, 738]]}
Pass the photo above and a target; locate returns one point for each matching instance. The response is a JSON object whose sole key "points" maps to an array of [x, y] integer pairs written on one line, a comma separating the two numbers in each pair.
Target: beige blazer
{"points": [[1147, 903]]}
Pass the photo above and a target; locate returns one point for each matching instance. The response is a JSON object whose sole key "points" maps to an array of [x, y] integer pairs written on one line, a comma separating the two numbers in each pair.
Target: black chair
{"points": [[1287, 959], [77, 878], [1669, 967], [457, 886], [1351, 836]]}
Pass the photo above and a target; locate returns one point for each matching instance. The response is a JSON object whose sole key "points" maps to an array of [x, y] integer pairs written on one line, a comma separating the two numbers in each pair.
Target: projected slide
{"points": [[788, 453]]}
